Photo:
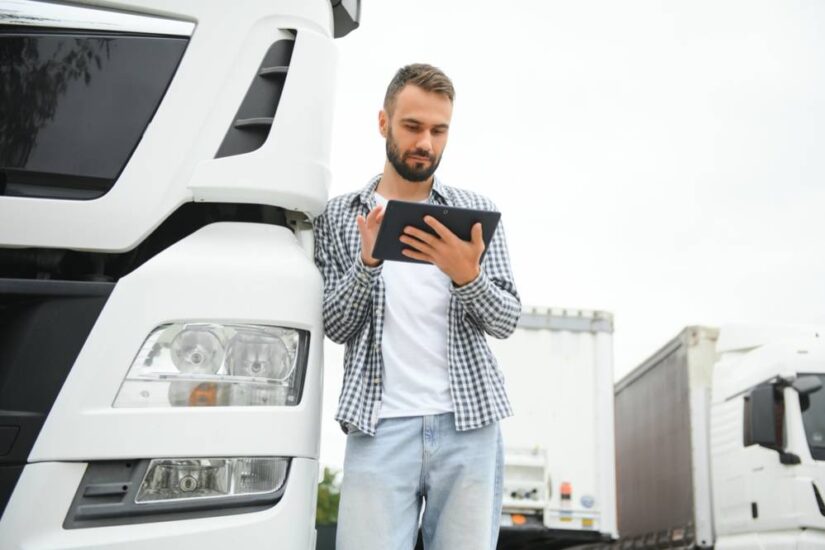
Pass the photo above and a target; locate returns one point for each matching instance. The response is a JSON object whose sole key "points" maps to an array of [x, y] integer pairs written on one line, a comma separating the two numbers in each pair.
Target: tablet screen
{"points": [[400, 214]]}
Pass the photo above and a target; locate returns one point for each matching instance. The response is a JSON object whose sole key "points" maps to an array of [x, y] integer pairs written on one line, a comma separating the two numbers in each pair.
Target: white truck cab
{"points": [[160, 311], [768, 438], [720, 438]]}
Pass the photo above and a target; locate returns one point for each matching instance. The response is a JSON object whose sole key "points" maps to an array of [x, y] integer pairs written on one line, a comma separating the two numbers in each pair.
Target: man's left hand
{"points": [[457, 258]]}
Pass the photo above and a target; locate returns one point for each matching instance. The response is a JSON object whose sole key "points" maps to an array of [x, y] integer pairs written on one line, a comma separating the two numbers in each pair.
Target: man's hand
{"points": [[368, 228], [458, 259]]}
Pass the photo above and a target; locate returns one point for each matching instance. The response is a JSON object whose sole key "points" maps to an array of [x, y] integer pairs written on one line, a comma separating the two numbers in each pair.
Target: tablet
{"points": [[400, 214]]}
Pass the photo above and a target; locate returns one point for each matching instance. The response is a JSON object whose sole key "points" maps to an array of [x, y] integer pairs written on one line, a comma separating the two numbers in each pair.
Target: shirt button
{"points": [[376, 381]]}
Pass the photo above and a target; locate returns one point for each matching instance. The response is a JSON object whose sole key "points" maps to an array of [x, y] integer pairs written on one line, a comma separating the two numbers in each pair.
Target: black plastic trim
{"points": [[48, 287], [106, 496], [539, 536], [819, 502], [70, 265], [273, 71], [259, 121], [343, 21], [256, 114], [62, 177], [789, 459], [24, 183], [43, 326]]}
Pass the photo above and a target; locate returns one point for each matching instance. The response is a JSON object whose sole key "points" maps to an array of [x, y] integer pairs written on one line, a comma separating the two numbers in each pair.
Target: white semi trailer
{"points": [[720, 440], [559, 478], [160, 311]]}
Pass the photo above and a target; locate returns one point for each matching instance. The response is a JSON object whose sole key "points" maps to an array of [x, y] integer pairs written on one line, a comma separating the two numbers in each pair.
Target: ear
{"points": [[383, 122]]}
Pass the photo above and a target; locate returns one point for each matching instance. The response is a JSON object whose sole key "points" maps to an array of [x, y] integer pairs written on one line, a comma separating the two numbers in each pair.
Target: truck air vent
{"points": [[256, 114], [819, 501]]}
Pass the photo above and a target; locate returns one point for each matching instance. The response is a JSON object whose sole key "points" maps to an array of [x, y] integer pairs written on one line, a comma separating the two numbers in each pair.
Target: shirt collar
{"points": [[439, 193]]}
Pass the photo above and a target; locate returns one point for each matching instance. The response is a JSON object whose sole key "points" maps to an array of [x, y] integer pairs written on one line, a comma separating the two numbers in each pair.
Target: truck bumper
{"points": [[35, 514]]}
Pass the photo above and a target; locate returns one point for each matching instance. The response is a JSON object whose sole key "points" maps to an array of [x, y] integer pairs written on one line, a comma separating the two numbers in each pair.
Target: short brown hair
{"points": [[426, 77]]}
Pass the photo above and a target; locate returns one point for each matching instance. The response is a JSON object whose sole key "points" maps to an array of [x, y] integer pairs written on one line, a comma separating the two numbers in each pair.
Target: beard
{"points": [[419, 171]]}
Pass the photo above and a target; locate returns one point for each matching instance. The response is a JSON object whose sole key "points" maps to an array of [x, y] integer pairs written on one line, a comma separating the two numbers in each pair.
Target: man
{"points": [[422, 394]]}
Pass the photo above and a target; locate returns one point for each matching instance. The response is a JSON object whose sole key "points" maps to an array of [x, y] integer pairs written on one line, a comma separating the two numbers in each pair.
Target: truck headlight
{"points": [[190, 478], [197, 350], [211, 364]]}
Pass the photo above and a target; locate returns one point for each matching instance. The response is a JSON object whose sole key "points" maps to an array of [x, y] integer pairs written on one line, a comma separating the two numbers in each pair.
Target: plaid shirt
{"points": [[354, 315]]}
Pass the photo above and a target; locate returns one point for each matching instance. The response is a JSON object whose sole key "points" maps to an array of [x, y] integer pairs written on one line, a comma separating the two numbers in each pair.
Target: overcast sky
{"points": [[662, 161]]}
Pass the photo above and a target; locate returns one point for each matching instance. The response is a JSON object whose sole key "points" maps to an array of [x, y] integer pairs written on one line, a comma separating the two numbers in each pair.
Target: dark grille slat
{"points": [[256, 114], [260, 121], [274, 71]]}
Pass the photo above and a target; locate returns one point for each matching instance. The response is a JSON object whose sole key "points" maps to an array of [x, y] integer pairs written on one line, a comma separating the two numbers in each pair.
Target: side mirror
{"points": [[807, 385], [762, 427], [765, 418]]}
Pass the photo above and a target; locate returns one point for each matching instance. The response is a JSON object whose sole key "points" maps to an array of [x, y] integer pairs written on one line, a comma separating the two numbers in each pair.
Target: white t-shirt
{"points": [[414, 341]]}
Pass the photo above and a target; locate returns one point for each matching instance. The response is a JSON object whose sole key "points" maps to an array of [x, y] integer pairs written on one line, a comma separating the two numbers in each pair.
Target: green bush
{"points": [[329, 495]]}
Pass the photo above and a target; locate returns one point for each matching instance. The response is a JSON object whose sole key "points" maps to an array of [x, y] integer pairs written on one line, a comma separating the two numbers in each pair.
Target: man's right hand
{"points": [[368, 228]]}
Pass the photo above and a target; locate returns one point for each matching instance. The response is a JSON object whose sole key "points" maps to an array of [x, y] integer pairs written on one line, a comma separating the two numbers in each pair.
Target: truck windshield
{"points": [[813, 417]]}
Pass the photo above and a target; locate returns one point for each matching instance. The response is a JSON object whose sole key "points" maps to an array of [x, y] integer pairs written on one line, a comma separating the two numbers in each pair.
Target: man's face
{"points": [[416, 132]]}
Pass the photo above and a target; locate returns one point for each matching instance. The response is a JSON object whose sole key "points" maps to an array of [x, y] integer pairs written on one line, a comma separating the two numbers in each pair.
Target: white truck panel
{"points": [[282, 288], [777, 540], [752, 479]]}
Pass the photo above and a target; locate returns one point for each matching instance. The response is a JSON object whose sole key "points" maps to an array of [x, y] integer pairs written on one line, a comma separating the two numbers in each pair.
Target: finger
{"points": [[417, 255], [373, 215], [418, 245], [439, 228], [477, 236], [420, 235], [361, 222]]}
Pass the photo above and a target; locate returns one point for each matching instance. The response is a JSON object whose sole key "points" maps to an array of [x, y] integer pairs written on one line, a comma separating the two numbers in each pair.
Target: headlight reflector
{"points": [[197, 350], [254, 353], [211, 364]]}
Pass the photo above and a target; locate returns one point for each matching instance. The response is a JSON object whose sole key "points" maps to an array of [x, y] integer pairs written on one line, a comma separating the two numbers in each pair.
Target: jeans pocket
{"points": [[351, 429]]}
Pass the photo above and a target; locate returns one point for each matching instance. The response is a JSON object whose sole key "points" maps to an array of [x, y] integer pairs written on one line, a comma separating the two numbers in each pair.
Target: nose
{"points": [[425, 142]]}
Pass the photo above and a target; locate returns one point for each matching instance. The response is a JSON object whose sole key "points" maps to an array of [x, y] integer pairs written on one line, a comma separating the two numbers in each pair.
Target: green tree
{"points": [[329, 495]]}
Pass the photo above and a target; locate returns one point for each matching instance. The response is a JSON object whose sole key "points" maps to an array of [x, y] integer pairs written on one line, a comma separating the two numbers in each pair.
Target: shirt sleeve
{"points": [[347, 284], [491, 299]]}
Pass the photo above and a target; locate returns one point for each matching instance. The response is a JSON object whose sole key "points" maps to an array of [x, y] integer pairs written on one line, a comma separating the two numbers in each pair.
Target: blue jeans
{"points": [[421, 460]]}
